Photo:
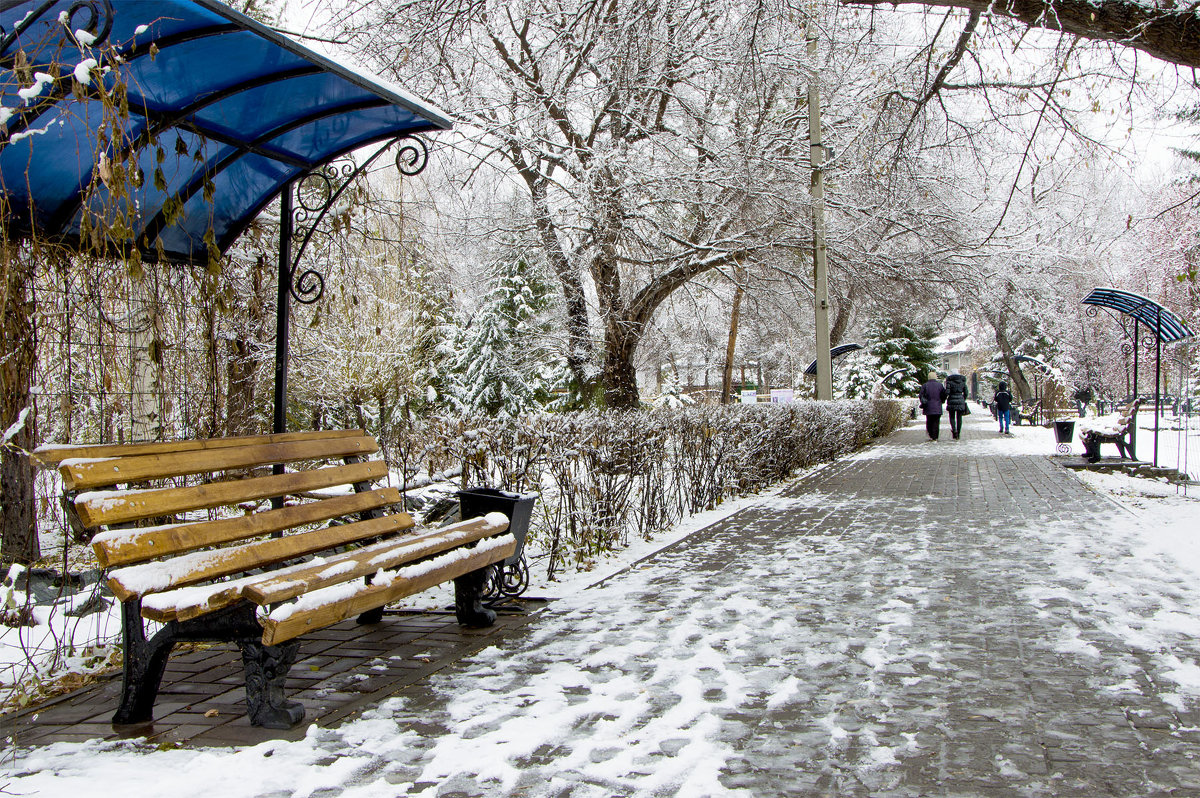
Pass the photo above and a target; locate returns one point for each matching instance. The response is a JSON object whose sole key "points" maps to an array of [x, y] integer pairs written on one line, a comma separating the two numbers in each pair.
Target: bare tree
{"points": [[654, 141]]}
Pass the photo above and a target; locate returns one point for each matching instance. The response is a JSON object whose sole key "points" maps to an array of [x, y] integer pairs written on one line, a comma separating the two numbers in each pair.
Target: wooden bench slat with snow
{"points": [[213, 560], [1105, 430]]}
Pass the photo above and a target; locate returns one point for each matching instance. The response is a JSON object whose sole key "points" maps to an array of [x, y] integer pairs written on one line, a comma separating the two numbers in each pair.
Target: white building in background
{"points": [[956, 351]]}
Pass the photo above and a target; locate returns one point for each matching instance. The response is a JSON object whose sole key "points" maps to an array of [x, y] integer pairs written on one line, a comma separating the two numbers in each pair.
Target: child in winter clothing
{"points": [[1003, 400]]}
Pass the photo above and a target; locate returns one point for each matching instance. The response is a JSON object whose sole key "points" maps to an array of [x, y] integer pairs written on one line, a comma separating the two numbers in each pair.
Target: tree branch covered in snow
{"points": [[1165, 31]]}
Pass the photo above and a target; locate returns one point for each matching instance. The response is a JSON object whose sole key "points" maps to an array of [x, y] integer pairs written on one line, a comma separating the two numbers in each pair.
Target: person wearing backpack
{"points": [[1003, 400]]}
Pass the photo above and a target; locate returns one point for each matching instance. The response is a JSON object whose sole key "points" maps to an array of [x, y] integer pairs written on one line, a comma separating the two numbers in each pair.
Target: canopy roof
{"points": [[834, 353], [1163, 323], [1028, 359], [238, 110]]}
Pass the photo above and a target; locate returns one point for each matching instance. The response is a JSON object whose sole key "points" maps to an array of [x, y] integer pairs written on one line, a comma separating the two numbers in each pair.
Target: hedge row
{"points": [[606, 476]]}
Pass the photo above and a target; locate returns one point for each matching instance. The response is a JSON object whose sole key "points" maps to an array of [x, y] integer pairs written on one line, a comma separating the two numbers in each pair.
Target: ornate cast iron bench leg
{"points": [[145, 662], [266, 672], [468, 600]]}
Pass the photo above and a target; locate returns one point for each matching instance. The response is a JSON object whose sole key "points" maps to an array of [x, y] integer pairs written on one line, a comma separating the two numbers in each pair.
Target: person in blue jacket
{"points": [[1003, 400], [932, 397]]}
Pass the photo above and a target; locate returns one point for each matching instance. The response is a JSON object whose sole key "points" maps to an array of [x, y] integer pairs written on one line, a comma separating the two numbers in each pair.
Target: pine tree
{"points": [[857, 376], [897, 345], [502, 362], [435, 344], [672, 395]]}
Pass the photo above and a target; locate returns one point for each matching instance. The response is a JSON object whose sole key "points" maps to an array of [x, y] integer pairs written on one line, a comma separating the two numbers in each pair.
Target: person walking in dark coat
{"points": [[1003, 400], [933, 395], [956, 402]]}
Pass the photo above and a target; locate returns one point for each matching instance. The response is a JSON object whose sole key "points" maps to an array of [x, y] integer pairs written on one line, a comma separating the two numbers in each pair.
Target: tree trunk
{"points": [[731, 347], [620, 378], [1164, 31], [579, 341], [1020, 386], [843, 312], [19, 541]]}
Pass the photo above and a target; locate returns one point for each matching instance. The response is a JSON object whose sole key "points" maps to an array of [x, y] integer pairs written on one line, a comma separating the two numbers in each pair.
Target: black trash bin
{"points": [[517, 507], [1064, 433], [510, 577]]}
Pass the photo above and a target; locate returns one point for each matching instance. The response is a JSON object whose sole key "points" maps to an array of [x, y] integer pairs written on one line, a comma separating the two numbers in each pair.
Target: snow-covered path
{"points": [[958, 618]]}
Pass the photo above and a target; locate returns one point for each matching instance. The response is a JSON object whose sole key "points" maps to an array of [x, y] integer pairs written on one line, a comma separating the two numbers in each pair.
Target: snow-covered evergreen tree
{"points": [[856, 376], [435, 345], [897, 345], [672, 396], [501, 365]]}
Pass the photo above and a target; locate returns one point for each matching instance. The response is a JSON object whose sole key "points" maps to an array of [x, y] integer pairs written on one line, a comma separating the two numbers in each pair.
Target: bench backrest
{"points": [[1128, 414], [197, 511]]}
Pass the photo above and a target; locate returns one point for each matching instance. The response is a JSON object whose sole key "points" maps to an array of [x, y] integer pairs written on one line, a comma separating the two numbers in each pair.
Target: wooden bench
{"points": [[1122, 435], [256, 541], [1027, 414]]}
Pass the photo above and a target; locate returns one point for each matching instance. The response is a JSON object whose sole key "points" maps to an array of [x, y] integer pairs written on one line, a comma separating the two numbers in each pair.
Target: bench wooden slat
{"points": [[190, 602], [100, 473], [98, 508], [275, 588], [187, 569], [51, 455], [125, 546], [184, 603], [193, 601], [333, 604]]}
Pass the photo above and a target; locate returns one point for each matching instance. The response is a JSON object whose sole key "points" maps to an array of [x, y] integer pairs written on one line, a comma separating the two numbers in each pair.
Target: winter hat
{"points": [[1002, 386], [933, 375]]}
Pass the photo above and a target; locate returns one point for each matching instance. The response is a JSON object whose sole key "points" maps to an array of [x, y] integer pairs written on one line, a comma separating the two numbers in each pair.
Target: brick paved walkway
{"points": [[340, 672], [921, 619], [901, 623]]}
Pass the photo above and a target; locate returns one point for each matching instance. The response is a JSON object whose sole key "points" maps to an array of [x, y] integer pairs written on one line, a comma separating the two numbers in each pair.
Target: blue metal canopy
{"points": [[834, 353], [1028, 359], [1166, 326], [238, 109]]}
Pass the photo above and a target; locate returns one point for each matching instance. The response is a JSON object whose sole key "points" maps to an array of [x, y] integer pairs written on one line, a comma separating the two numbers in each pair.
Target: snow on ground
{"points": [[492, 721]]}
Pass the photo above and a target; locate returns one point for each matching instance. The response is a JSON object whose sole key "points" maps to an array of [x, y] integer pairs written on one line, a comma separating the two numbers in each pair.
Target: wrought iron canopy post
{"points": [[283, 309], [303, 205], [1136, 340], [1157, 378]]}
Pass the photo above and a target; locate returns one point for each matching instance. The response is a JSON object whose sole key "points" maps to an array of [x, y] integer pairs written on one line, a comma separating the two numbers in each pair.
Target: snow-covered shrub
{"points": [[604, 476]]}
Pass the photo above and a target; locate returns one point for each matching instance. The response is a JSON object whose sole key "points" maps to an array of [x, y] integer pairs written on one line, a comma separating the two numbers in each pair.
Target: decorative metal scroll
{"points": [[91, 17], [1148, 343], [317, 194], [98, 25], [503, 581]]}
